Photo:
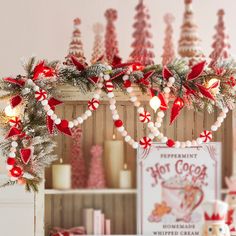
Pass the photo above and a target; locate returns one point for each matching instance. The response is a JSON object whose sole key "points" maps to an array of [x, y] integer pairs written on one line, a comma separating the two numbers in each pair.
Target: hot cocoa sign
{"points": [[173, 183]]}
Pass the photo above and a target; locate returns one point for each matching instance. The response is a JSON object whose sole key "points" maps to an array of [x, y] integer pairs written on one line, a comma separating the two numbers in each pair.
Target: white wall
{"points": [[44, 27]]}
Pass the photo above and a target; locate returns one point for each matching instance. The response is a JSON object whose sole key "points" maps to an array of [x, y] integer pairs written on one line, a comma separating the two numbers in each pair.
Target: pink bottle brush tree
{"points": [[189, 42], [111, 42], [77, 160], [96, 172], [220, 44], [98, 46], [142, 46], [168, 48]]}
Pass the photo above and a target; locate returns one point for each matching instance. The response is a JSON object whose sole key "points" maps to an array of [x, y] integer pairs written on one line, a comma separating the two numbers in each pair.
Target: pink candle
{"points": [[107, 227]]}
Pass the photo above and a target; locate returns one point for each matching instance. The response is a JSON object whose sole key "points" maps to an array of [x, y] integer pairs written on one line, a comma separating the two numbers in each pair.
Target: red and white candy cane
{"points": [[93, 104], [41, 95]]}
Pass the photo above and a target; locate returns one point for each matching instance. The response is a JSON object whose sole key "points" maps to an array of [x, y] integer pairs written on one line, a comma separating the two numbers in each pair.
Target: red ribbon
{"points": [[232, 193], [68, 232]]}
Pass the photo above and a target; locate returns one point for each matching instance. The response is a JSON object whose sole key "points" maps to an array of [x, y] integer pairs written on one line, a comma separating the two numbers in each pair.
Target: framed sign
{"points": [[172, 184]]}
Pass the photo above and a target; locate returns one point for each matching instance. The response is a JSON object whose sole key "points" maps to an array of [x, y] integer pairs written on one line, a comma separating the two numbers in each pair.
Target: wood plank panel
{"points": [[87, 133], [57, 211], [109, 210], [67, 211], [77, 210], [118, 214], [130, 214]]}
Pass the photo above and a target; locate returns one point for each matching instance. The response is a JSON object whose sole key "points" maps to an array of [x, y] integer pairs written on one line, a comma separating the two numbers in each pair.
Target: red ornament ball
{"points": [[118, 123], [170, 143], [127, 83], [16, 172], [11, 161]]}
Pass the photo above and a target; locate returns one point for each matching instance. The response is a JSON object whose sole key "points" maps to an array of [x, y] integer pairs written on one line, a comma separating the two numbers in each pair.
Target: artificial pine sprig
{"points": [[33, 116]]}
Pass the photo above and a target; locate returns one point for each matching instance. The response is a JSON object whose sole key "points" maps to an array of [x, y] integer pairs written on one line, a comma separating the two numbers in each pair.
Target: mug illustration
{"points": [[180, 197]]}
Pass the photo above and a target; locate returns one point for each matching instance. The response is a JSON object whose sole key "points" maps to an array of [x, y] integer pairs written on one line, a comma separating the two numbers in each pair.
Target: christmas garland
{"points": [[28, 146]]}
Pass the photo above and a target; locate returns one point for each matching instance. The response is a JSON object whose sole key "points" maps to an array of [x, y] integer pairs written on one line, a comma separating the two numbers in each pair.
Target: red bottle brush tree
{"points": [[77, 160], [98, 46], [220, 45], [142, 46], [111, 42], [168, 48], [189, 42], [76, 45]]}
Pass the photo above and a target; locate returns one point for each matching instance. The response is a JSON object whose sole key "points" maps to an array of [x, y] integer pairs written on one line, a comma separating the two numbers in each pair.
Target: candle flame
{"points": [[113, 136], [61, 160], [125, 166]]}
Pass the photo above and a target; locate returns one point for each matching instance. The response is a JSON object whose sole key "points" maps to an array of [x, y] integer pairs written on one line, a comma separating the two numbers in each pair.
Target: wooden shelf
{"points": [[90, 191]]}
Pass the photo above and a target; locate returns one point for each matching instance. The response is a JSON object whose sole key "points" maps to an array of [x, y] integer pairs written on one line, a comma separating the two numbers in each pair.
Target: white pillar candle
{"points": [[114, 160], [125, 178], [61, 176]]}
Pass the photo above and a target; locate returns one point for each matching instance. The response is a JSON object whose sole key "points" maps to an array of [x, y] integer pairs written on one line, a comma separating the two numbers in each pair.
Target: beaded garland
{"points": [[106, 81]]}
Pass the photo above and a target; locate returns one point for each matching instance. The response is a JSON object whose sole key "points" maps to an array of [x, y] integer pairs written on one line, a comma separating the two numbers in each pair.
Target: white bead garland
{"points": [[153, 127]]}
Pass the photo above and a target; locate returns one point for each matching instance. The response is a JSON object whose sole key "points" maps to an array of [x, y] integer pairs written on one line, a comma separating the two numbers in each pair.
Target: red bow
{"points": [[16, 132], [15, 101], [77, 64], [17, 81], [13, 132], [145, 80], [63, 126], [52, 102], [42, 69]]}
